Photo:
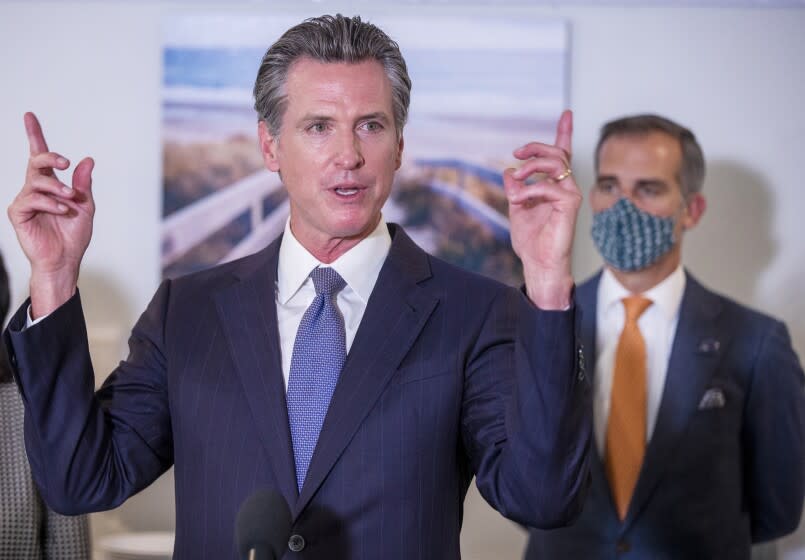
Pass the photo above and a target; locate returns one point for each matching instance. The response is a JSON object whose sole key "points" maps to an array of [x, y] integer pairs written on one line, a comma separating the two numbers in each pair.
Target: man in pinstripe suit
{"points": [[447, 374], [29, 530]]}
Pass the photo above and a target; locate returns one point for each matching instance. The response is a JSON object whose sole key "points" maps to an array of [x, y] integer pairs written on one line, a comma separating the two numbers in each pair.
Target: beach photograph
{"points": [[480, 89]]}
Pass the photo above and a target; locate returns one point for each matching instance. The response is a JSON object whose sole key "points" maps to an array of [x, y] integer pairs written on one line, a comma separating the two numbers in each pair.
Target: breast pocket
{"points": [[716, 422], [421, 371]]}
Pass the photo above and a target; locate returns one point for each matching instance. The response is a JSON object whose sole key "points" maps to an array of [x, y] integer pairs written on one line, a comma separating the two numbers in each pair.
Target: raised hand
{"points": [[53, 221], [543, 216]]}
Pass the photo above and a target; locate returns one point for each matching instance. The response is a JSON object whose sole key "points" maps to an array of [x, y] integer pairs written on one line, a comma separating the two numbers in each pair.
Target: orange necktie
{"points": [[626, 428]]}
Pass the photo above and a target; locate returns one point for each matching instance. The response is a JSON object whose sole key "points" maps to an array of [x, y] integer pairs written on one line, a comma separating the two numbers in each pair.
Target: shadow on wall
{"points": [[732, 246]]}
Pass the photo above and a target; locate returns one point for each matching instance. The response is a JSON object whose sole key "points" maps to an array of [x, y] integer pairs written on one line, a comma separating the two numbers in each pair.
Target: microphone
{"points": [[263, 526]]}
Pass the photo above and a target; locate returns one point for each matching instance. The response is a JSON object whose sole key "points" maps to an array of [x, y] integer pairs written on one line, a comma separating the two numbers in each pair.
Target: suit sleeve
{"points": [[89, 452], [527, 416], [774, 438]]}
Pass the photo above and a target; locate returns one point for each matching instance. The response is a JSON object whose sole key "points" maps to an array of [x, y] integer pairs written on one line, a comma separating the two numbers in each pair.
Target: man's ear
{"points": [[694, 210], [268, 147], [400, 146]]}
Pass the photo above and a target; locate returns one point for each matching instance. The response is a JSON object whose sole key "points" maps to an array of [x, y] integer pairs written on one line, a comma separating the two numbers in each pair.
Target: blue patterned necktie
{"points": [[318, 355]]}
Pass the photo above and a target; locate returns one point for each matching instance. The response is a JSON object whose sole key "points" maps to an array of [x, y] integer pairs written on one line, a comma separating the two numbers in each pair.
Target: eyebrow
{"points": [[311, 117], [378, 115], [601, 178], [641, 182]]}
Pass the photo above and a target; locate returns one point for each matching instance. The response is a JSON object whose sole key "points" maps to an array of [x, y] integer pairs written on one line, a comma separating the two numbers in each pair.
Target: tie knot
{"points": [[635, 306], [327, 281]]}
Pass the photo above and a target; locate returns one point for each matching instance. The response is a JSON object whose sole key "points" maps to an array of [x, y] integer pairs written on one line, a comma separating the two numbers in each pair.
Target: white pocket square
{"points": [[712, 398]]}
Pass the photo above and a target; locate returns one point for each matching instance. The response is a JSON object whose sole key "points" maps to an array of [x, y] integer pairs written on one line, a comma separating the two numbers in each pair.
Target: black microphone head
{"points": [[263, 523]]}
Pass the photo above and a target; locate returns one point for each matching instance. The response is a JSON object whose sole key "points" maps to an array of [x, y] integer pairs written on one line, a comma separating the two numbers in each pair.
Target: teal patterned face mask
{"points": [[630, 239]]}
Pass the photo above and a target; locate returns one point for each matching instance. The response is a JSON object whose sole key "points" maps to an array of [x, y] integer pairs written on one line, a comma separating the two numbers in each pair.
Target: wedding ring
{"points": [[568, 172]]}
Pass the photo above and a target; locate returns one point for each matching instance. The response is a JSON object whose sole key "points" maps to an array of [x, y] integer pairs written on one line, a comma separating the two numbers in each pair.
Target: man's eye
{"points": [[648, 190], [317, 128], [373, 126], [607, 187]]}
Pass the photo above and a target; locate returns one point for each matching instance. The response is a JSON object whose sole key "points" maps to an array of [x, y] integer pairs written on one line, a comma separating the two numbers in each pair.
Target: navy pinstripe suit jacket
{"points": [[450, 375]]}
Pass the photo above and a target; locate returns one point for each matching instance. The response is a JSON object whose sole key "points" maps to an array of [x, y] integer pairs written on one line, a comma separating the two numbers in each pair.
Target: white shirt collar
{"points": [[359, 267], [666, 296]]}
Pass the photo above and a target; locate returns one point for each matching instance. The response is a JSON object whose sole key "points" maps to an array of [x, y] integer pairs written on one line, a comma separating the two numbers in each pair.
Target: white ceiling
{"points": [[664, 3]]}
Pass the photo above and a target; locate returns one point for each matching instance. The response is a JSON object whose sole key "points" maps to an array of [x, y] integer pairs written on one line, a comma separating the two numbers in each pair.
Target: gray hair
{"points": [[329, 39], [692, 169]]}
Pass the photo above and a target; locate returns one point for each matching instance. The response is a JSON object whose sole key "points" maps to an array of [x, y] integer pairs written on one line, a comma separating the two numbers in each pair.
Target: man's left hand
{"points": [[543, 216]]}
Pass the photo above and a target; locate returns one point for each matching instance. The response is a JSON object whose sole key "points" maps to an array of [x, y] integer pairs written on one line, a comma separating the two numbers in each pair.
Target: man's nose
{"points": [[349, 155]]}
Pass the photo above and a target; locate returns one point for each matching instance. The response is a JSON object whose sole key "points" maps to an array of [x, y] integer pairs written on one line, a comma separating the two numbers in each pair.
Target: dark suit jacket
{"points": [[719, 472], [437, 386]]}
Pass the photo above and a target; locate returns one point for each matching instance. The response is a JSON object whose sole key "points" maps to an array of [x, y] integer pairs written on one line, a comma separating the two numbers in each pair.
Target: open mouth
{"points": [[348, 191]]}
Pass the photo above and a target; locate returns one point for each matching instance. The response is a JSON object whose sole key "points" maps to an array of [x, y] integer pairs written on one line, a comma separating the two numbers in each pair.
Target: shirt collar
{"points": [[667, 295], [359, 267]]}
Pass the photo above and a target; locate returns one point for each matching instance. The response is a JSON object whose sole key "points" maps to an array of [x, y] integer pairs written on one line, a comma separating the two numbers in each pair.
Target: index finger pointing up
{"points": [[564, 132], [36, 140]]}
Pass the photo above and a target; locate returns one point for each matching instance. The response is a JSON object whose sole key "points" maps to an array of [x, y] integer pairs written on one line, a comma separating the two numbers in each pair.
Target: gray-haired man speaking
{"points": [[342, 366]]}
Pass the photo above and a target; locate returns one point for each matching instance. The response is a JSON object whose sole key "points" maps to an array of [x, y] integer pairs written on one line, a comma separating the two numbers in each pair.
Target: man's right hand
{"points": [[53, 222]]}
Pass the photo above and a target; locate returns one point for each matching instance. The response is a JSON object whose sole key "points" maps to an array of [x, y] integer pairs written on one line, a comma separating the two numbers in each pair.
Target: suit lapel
{"points": [[693, 360], [248, 313], [397, 311], [587, 299]]}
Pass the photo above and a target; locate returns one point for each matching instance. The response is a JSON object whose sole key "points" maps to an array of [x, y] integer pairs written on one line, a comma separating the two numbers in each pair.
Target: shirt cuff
{"points": [[524, 291], [31, 322]]}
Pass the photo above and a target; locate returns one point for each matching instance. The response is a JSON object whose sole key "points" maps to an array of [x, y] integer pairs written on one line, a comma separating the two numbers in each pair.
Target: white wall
{"points": [[736, 76]]}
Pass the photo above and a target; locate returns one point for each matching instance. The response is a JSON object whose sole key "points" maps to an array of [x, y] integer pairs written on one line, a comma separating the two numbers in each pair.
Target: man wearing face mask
{"points": [[699, 410]]}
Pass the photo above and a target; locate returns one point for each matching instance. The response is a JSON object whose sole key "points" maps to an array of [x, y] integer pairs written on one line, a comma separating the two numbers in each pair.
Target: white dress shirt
{"points": [[359, 267], [658, 327]]}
